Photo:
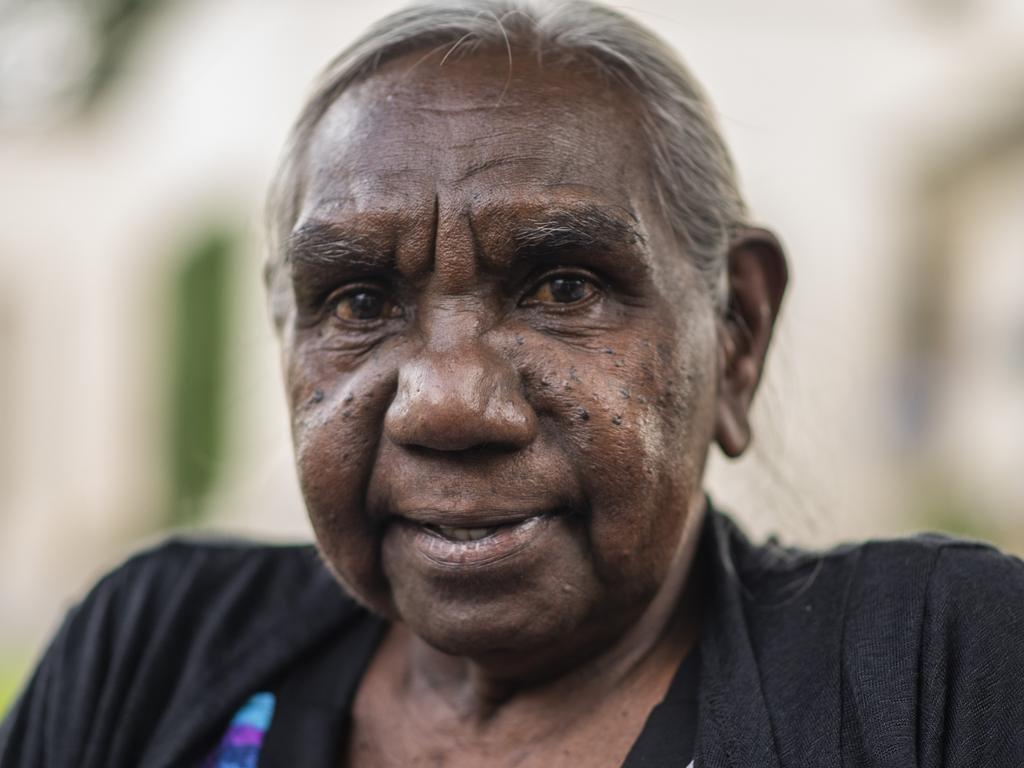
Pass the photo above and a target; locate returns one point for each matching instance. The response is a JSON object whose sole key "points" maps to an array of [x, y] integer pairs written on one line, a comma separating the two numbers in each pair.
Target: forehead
{"points": [[481, 131]]}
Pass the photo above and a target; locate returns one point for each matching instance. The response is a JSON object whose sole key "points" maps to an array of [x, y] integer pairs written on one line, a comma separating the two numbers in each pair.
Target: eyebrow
{"points": [[324, 245], [318, 244], [586, 227]]}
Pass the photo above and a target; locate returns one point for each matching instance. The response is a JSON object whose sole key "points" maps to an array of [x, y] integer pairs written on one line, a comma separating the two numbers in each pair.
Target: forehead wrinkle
{"points": [[496, 135], [467, 109], [388, 102], [499, 162]]}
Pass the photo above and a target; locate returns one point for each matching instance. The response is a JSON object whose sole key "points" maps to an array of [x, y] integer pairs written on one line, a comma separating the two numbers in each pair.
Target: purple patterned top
{"points": [[240, 747]]}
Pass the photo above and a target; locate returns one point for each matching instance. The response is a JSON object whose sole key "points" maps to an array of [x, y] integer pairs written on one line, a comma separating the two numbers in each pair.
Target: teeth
{"points": [[464, 534]]}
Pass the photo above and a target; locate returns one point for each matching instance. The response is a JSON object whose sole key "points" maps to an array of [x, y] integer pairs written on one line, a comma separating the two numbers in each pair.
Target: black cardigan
{"points": [[899, 653]]}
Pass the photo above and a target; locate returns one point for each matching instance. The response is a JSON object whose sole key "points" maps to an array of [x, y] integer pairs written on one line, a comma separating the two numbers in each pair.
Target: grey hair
{"points": [[695, 179]]}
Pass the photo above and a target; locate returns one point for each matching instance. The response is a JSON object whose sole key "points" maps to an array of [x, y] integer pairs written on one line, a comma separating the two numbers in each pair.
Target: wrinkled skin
{"points": [[451, 361]]}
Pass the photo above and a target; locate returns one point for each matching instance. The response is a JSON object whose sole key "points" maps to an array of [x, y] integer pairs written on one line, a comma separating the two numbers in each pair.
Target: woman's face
{"points": [[501, 366]]}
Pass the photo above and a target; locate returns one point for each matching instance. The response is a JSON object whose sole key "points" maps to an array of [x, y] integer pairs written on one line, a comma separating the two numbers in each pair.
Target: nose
{"points": [[459, 399]]}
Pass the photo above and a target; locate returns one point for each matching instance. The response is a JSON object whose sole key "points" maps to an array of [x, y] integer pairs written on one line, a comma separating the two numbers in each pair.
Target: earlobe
{"points": [[732, 429], [757, 282]]}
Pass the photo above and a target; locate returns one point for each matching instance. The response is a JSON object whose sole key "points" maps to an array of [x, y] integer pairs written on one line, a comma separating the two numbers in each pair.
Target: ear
{"points": [[757, 281]]}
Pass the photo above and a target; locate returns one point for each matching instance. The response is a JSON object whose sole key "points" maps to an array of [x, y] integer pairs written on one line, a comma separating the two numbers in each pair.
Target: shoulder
{"points": [[974, 621], [927, 569], [973, 578], [192, 605], [931, 636], [944, 591], [210, 569], [177, 629], [951, 581], [185, 585], [886, 598], [916, 641], [970, 663]]}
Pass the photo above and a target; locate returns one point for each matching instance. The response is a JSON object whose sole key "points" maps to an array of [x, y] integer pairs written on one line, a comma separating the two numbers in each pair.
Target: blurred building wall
{"points": [[894, 397]]}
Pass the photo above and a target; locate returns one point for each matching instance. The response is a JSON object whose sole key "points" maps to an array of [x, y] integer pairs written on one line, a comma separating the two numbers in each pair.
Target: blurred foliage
{"points": [[199, 371], [946, 513], [61, 57], [117, 24], [941, 506], [14, 666]]}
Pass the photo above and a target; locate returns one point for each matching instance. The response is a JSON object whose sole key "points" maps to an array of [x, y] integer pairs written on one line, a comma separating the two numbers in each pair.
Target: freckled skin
{"points": [[453, 377], [473, 395]]}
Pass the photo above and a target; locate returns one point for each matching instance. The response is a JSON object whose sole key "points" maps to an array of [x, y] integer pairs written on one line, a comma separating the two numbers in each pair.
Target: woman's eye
{"points": [[363, 305], [562, 289]]}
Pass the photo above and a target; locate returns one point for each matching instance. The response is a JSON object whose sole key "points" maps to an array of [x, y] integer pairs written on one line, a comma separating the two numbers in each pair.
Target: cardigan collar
{"points": [[733, 728]]}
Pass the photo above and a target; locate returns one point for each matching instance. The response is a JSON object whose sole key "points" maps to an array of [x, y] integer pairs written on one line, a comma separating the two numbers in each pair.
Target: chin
{"points": [[519, 624]]}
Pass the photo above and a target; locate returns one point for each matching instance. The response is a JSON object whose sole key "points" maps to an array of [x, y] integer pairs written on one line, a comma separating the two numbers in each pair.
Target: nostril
{"points": [[465, 455], [459, 408], [451, 426]]}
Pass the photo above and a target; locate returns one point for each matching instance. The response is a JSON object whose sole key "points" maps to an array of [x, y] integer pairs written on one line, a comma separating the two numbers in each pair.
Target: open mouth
{"points": [[458, 533], [479, 539], [468, 533]]}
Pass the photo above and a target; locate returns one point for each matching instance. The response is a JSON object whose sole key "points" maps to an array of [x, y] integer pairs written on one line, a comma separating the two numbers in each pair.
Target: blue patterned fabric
{"points": [[240, 747]]}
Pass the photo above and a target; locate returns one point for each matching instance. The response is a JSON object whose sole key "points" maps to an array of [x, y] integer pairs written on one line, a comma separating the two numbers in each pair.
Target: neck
{"points": [[647, 653]]}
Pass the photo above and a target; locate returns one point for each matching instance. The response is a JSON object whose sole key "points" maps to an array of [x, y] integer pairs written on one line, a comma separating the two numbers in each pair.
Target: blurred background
{"points": [[139, 389]]}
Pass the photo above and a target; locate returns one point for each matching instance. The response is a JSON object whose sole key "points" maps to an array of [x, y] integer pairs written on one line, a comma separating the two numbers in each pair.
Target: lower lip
{"points": [[506, 541]]}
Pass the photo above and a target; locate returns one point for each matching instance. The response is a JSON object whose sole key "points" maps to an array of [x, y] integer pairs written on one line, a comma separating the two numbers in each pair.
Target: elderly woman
{"points": [[518, 300]]}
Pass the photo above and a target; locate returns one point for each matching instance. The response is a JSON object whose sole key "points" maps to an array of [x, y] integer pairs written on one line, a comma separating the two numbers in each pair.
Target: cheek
{"points": [[336, 427], [639, 423]]}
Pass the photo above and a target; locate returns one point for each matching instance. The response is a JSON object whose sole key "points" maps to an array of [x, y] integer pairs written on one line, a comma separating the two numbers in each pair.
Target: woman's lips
{"points": [[479, 544]]}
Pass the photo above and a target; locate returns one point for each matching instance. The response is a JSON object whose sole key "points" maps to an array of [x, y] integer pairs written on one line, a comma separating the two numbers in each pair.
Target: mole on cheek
{"points": [[669, 394]]}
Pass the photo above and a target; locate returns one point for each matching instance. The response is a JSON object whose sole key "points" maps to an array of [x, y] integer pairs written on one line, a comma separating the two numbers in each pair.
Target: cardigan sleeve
{"points": [[972, 661]]}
